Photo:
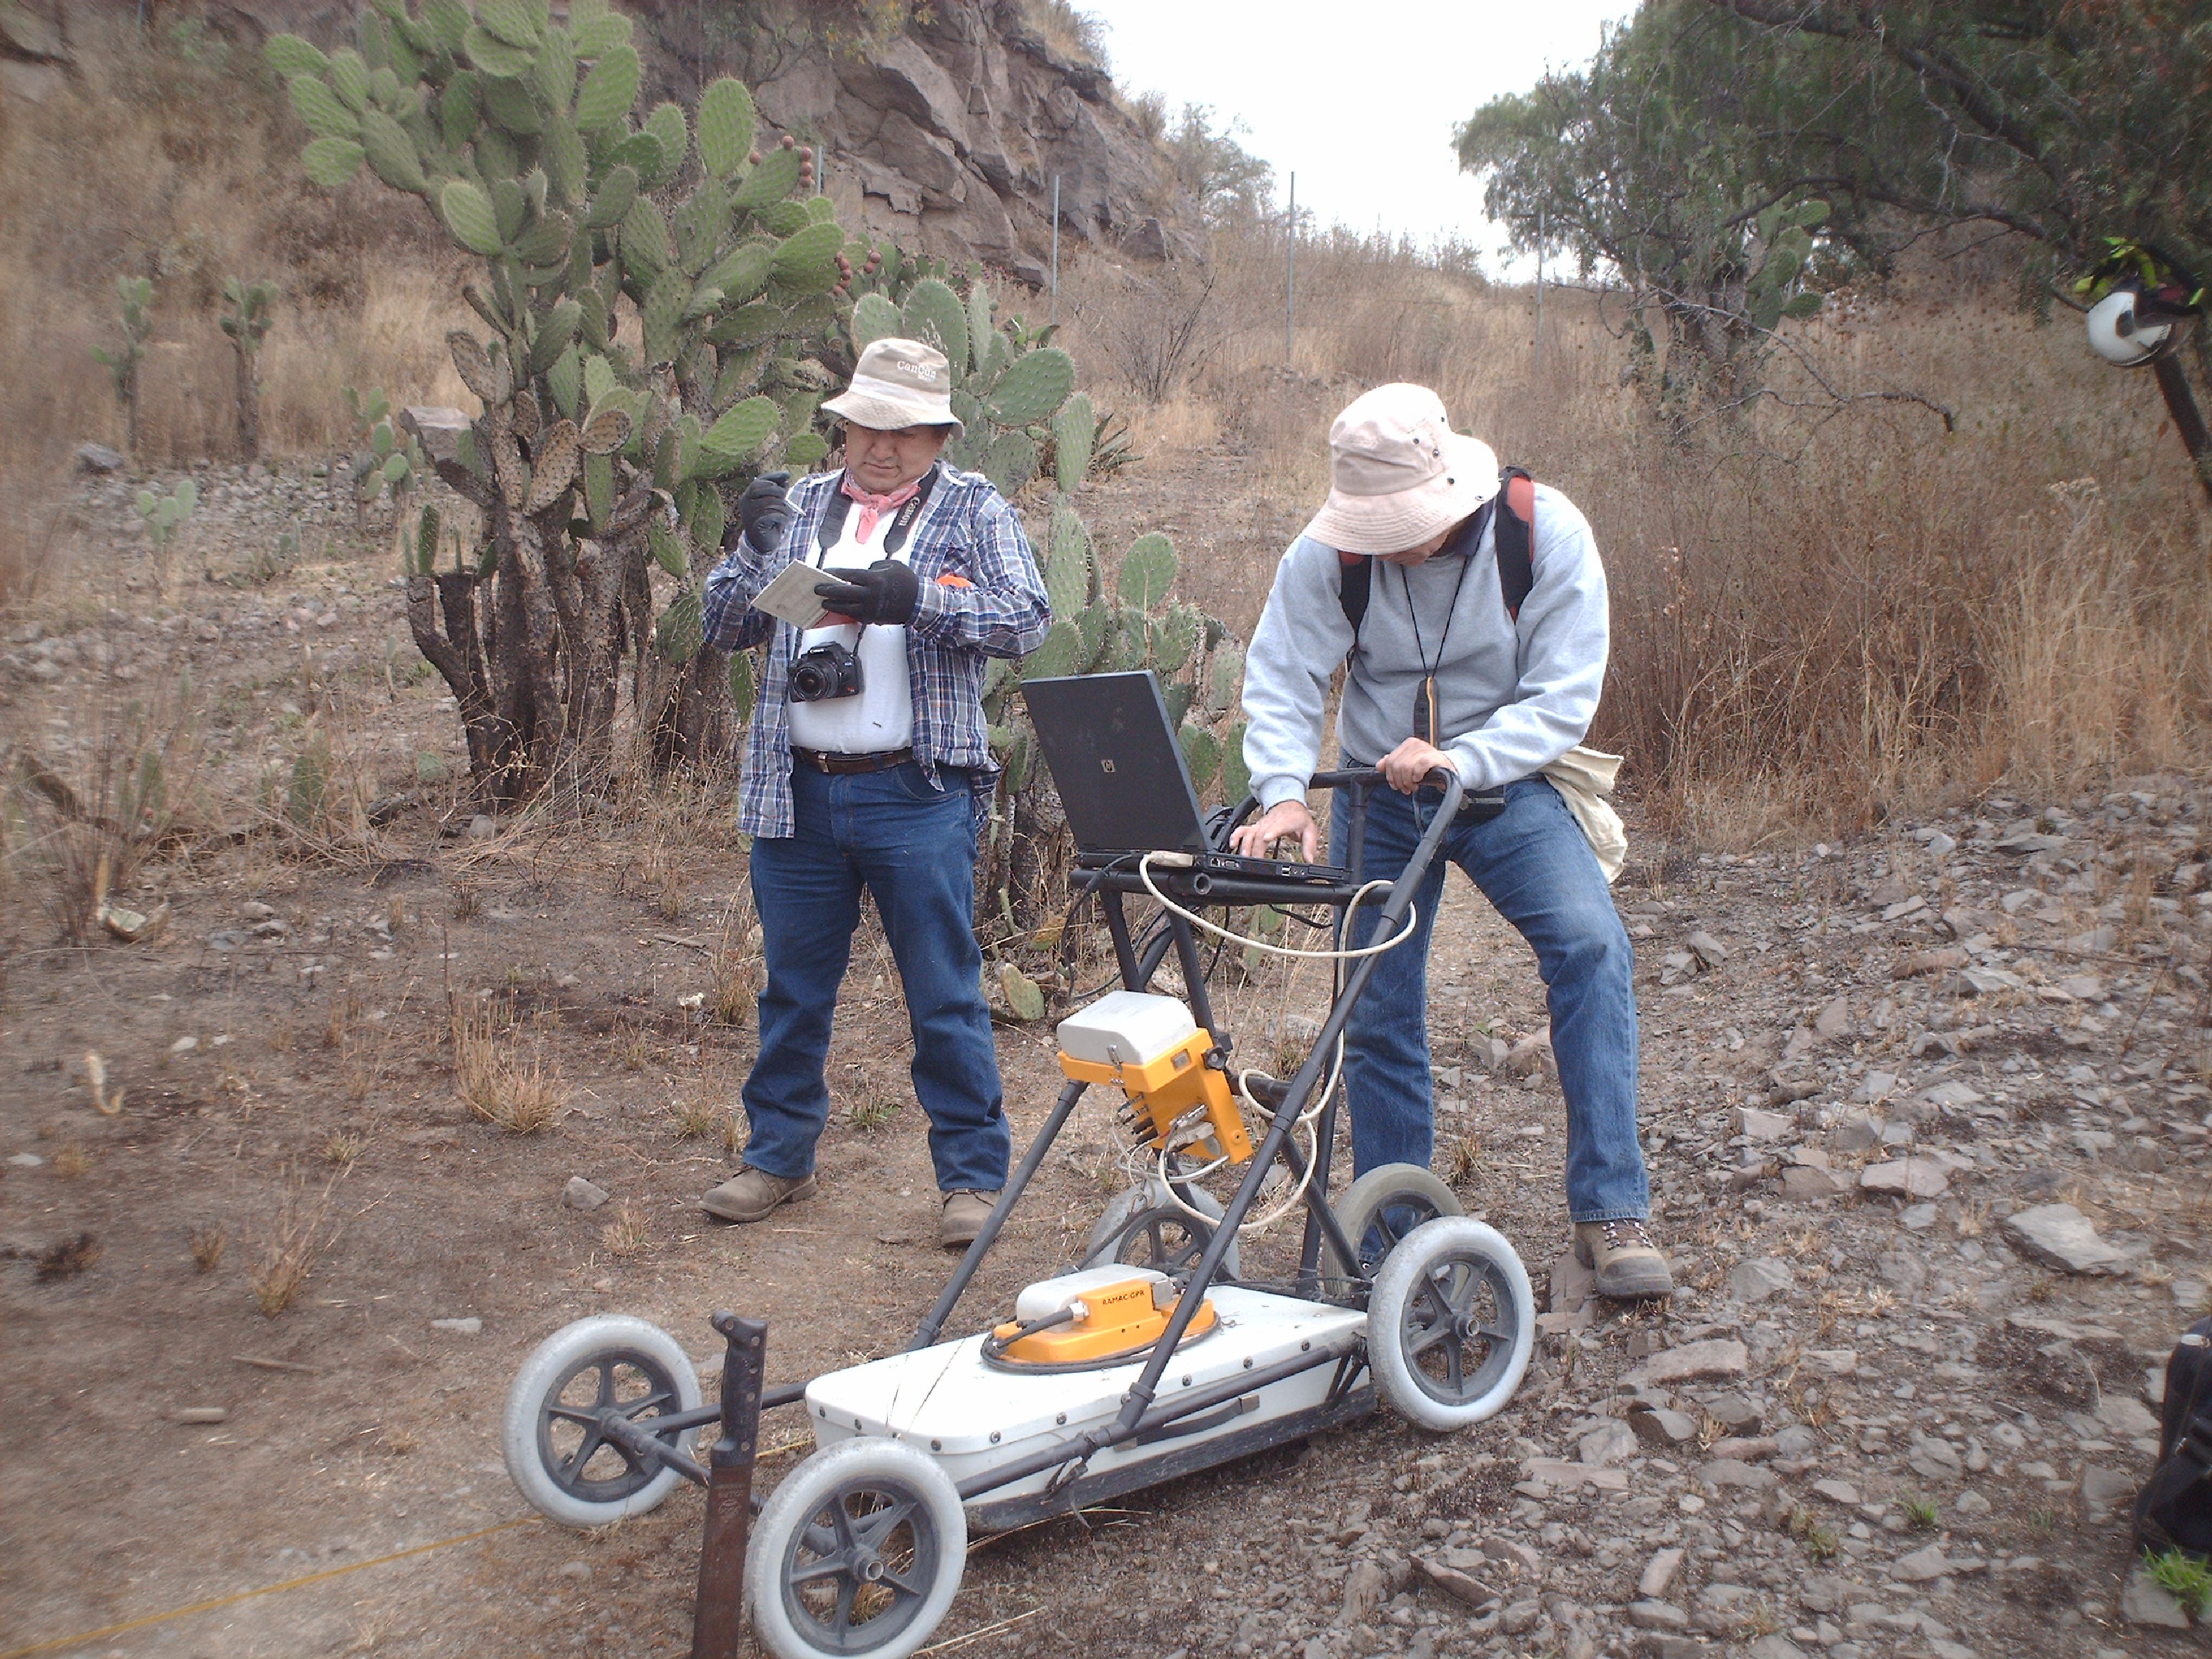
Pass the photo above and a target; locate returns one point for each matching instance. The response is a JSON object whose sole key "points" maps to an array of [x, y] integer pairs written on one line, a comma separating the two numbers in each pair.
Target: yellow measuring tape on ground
{"points": [[101, 1634]]}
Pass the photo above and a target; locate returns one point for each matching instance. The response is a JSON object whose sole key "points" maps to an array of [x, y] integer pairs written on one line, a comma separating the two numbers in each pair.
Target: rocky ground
{"points": [[1927, 1117]]}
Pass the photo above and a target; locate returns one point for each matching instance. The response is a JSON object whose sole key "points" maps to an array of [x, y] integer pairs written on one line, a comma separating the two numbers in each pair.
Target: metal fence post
{"points": [[718, 1616], [1055, 247], [1290, 283]]}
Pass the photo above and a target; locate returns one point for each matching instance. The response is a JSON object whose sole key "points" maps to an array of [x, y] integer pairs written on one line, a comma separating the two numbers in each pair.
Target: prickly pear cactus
{"points": [[687, 232], [134, 300]]}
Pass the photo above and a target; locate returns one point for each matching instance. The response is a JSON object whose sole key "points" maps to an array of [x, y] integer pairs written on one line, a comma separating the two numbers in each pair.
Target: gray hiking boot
{"points": [[754, 1194], [966, 1212], [1628, 1264]]}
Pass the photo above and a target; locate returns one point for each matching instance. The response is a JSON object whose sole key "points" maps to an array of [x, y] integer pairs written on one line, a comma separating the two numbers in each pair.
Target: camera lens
{"points": [[806, 682]]}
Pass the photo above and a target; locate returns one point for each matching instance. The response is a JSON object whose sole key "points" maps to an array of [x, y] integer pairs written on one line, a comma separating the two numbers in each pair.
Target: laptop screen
{"points": [[1115, 762]]}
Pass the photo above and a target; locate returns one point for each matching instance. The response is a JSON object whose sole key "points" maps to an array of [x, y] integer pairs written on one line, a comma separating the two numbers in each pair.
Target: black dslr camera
{"points": [[825, 671]]}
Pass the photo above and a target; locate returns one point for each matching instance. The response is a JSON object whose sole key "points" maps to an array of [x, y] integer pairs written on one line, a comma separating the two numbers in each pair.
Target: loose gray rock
{"points": [[470, 1326], [1653, 1615], [1366, 1588], [582, 1194], [1833, 1020], [2144, 1602], [1659, 1575], [2059, 1236], [1923, 1566], [1709, 951], [1693, 1362], [1761, 1278], [2104, 1493], [1615, 1443], [1915, 1177], [98, 459]]}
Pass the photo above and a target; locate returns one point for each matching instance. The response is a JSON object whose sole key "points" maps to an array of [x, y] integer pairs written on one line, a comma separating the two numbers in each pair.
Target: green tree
{"points": [[1231, 185]]}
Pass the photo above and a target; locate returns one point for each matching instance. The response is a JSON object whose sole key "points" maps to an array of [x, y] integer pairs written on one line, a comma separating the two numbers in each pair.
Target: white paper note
{"points": [[791, 597]]}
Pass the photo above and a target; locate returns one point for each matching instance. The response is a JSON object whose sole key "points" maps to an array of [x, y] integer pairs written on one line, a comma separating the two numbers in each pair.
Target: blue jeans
{"points": [[913, 847], [1533, 863]]}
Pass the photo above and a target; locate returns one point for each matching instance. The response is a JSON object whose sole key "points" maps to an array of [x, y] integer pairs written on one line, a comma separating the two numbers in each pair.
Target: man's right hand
{"points": [[762, 512], [1285, 820]]}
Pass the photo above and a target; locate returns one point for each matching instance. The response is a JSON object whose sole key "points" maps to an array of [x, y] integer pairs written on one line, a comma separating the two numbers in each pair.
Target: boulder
{"points": [[2059, 1236]]}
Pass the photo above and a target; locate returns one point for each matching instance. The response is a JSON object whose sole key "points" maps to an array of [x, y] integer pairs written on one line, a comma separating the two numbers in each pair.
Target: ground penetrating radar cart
{"points": [[1152, 1360]]}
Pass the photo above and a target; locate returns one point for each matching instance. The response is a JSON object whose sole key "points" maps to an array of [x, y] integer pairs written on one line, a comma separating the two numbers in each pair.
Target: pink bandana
{"points": [[872, 508]]}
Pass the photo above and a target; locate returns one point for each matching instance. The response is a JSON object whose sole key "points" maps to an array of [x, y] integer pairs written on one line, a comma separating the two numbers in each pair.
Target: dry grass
{"points": [[172, 158], [289, 1247], [1819, 617], [626, 1235], [521, 1094], [208, 1244], [697, 1119]]}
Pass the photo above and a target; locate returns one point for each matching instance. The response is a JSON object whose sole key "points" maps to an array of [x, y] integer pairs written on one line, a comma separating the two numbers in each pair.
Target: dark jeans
{"points": [[914, 848], [1532, 862]]}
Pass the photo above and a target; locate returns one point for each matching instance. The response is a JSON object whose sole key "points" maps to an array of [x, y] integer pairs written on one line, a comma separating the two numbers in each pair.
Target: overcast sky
{"points": [[1360, 99]]}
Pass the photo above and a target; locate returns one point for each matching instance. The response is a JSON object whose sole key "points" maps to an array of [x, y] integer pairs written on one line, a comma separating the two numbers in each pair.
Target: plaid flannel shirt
{"points": [[967, 531]]}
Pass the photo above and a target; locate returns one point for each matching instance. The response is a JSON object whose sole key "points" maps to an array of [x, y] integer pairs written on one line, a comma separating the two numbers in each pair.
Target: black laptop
{"points": [[1123, 781]]}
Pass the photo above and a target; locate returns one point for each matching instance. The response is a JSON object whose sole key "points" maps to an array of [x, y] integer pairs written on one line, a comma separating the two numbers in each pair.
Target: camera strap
{"points": [[831, 530]]}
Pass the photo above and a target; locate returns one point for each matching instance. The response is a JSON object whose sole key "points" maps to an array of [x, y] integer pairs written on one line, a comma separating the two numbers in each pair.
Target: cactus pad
{"points": [[320, 108], [1073, 430], [1224, 678], [934, 315], [1011, 461], [776, 178], [1148, 570], [1061, 653], [554, 467], [682, 629], [473, 363], [331, 163], [874, 318], [1201, 753], [725, 126], [468, 214], [1035, 385], [744, 428]]}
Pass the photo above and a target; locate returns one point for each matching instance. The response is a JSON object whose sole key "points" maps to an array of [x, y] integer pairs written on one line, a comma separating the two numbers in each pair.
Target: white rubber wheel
{"points": [[568, 1470], [1391, 1200], [859, 1550], [1450, 1324], [1143, 1227]]}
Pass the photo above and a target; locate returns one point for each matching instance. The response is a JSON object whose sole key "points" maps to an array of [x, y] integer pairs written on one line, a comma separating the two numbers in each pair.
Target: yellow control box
{"points": [[1167, 1087]]}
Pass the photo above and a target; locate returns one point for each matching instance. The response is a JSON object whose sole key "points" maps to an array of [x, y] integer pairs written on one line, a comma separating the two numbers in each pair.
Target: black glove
{"points": [[762, 512], [886, 592]]}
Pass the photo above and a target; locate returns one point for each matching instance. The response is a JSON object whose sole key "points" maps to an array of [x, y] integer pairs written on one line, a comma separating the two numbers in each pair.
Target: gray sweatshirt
{"points": [[1512, 699]]}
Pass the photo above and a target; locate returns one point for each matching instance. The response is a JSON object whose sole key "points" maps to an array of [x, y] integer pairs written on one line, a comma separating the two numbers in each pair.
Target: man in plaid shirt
{"points": [[867, 763]]}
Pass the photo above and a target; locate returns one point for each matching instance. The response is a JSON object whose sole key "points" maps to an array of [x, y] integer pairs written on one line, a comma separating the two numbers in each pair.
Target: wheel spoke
{"points": [[904, 1582], [573, 1466], [842, 1620], [1428, 1339], [638, 1408], [823, 1540], [876, 1527], [606, 1369], [571, 1413], [1455, 1371], [843, 1521], [829, 1566]]}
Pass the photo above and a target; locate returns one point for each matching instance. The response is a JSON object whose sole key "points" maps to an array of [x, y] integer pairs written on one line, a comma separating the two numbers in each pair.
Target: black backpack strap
{"points": [[1516, 538], [1355, 583], [2159, 1517]]}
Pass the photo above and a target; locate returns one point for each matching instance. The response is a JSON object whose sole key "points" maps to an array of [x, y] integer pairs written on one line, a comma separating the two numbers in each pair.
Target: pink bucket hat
{"points": [[1398, 473]]}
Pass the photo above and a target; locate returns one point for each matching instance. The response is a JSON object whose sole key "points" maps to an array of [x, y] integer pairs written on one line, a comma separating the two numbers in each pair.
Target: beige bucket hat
{"points": [[898, 383], [1398, 473]]}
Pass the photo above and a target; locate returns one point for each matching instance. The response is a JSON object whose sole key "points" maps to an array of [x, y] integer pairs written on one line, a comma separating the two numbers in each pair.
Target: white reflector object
{"points": [[1126, 1028]]}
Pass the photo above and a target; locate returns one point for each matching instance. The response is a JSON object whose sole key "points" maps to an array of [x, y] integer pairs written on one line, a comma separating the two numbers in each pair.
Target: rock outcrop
{"points": [[943, 134]]}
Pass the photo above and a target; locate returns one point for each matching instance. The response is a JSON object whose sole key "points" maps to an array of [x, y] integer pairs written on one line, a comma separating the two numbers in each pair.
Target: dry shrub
{"points": [[172, 156], [208, 1245], [626, 1235], [1821, 614], [289, 1248], [125, 780], [495, 1080]]}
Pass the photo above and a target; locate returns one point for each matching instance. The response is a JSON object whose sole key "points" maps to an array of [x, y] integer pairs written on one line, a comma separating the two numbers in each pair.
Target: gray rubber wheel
{"points": [[1143, 1227], [564, 1466], [1386, 1204], [1451, 1323], [859, 1550]]}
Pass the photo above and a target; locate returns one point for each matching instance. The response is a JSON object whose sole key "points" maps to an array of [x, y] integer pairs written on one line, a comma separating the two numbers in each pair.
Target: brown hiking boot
{"points": [[966, 1212], [1628, 1264], [754, 1194]]}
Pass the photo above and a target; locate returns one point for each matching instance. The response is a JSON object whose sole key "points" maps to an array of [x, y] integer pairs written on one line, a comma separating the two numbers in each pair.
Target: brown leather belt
{"points": [[823, 760]]}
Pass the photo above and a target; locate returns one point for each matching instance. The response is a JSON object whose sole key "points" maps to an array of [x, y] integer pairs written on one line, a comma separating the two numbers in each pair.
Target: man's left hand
{"points": [[1406, 767], [887, 592]]}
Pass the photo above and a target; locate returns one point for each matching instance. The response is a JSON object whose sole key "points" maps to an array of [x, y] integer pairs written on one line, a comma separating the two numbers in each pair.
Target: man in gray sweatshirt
{"points": [[1441, 674]]}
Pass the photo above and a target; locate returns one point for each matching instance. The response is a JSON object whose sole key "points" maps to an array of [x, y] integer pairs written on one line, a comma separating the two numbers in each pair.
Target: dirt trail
{"points": [[1909, 1377]]}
